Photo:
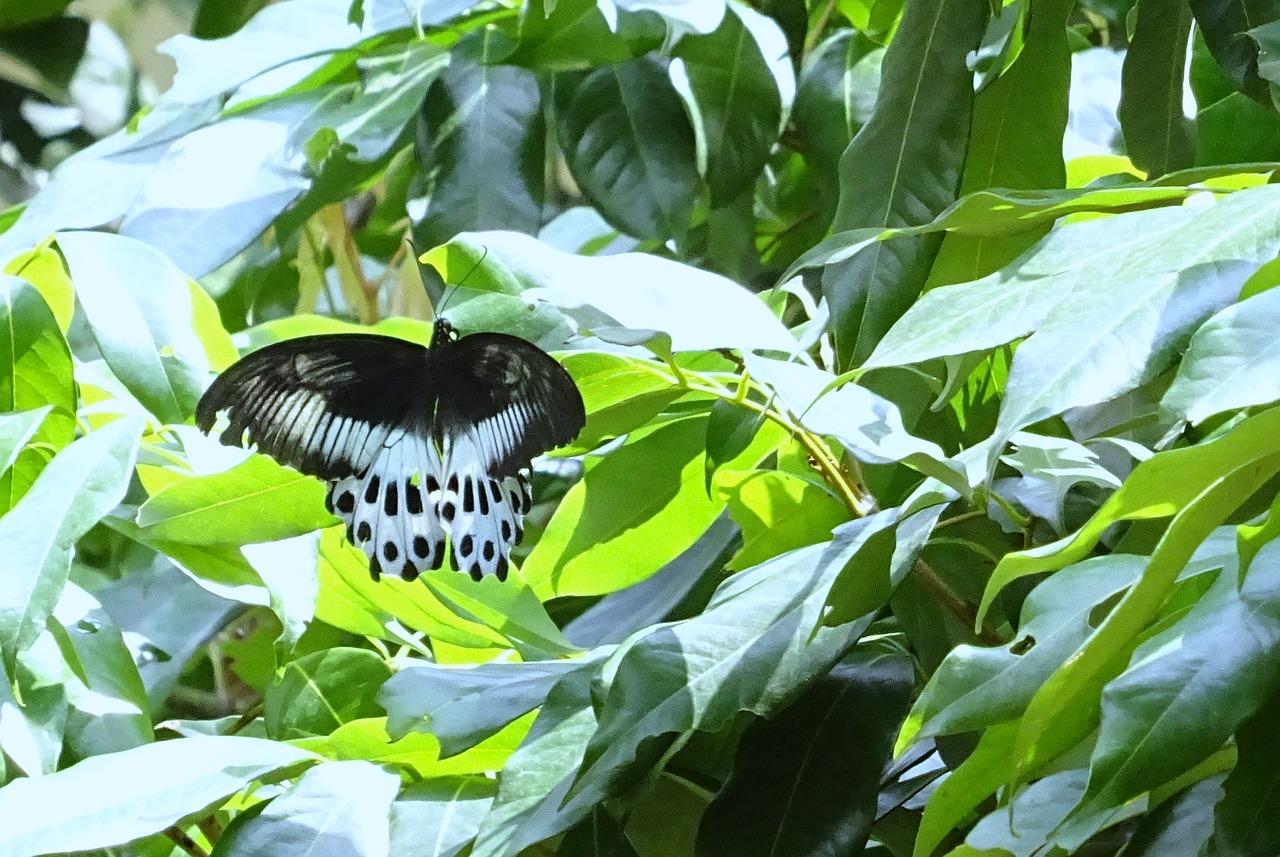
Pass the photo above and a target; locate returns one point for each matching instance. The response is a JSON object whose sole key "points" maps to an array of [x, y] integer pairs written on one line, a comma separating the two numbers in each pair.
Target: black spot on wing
{"points": [[323, 404]]}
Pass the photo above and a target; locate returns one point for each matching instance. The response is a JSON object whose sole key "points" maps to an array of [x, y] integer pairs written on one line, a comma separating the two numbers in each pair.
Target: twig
{"points": [[180, 838]]}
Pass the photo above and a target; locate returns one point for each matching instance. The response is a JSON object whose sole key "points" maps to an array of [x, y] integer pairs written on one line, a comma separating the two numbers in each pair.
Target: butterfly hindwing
{"points": [[323, 404]]}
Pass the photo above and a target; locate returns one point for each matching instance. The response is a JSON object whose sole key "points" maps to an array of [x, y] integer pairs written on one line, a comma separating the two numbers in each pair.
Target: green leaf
{"points": [[1158, 137], [1096, 661], [978, 777], [255, 501], [1233, 361], [1247, 820], [778, 512], [218, 18], [903, 169], [482, 132], [806, 781], [1023, 829], [1223, 24], [448, 809], [1015, 140], [118, 797], [730, 430], [630, 148], [976, 687], [531, 792], [38, 374], [335, 807], [750, 650], [108, 710], [16, 430], [351, 600], [140, 311], [80, 485], [509, 607], [645, 294], [631, 514], [1159, 487], [1175, 708], [1182, 823], [574, 34], [15, 14], [869, 426], [462, 707], [321, 691], [42, 267], [620, 394], [732, 98], [828, 112]]}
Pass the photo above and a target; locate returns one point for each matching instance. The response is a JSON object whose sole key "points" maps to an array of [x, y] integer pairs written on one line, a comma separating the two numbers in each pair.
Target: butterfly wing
{"points": [[323, 404], [355, 410], [502, 402]]}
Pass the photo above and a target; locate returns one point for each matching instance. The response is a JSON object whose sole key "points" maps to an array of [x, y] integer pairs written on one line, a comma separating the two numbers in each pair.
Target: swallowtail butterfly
{"points": [[416, 443]]}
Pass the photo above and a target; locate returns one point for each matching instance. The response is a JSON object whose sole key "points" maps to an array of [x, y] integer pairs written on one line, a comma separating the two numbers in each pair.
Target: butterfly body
{"points": [[417, 443]]}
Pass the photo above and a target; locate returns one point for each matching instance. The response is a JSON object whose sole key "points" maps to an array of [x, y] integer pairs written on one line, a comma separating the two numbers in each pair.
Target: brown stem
{"points": [[180, 838], [960, 607]]}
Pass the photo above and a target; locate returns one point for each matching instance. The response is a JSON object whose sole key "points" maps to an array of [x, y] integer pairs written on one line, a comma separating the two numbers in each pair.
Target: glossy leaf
{"points": [[39, 375], [1158, 137], [1223, 23], [15, 430], [633, 512], [80, 485], [439, 817], [321, 691], [140, 310], [255, 501], [630, 148], [462, 707], [1230, 362], [903, 169], [336, 807], [697, 309], [734, 103], [1246, 820], [117, 797], [482, 134]]}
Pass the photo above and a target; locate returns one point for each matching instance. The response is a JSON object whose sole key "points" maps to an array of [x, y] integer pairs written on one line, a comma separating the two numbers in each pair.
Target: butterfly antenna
{"points": [[450, 290]]}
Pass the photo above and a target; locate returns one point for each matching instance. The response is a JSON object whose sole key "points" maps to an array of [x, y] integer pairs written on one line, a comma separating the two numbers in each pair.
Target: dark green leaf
{"points": [[597, 836], [574, 34], [730, 430], [630, 147], [903, 169], [481, 139], [1223, 24], [732, 97], [217, 18], [1182, 824], [1247, 821], [806, 781], [1157, 135]]}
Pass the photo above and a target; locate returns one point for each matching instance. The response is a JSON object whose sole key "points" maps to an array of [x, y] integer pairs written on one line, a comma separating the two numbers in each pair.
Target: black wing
{"points": [[324, 404], [510, 396]]}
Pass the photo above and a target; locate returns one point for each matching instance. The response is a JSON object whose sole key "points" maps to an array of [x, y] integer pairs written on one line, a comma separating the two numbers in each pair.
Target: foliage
{"points": [[927, 501]]}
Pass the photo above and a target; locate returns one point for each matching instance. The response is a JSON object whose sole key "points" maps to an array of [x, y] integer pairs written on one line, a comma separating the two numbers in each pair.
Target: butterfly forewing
{"points": [[416, 443], [323, 404]]}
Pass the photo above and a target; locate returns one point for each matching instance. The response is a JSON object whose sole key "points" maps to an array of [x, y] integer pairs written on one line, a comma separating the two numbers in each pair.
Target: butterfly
{"points": [[416, 443]]}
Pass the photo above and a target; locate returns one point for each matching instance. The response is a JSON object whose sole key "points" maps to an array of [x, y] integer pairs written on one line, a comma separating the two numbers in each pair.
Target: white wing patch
{"points": [[483, 512], [400, 510], [391, 511]]}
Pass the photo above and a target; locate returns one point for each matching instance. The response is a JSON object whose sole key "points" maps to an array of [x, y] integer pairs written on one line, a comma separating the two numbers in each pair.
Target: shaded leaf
{"points": [[806, 781], [439, 817], [1158, 137], [903, 169]]}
